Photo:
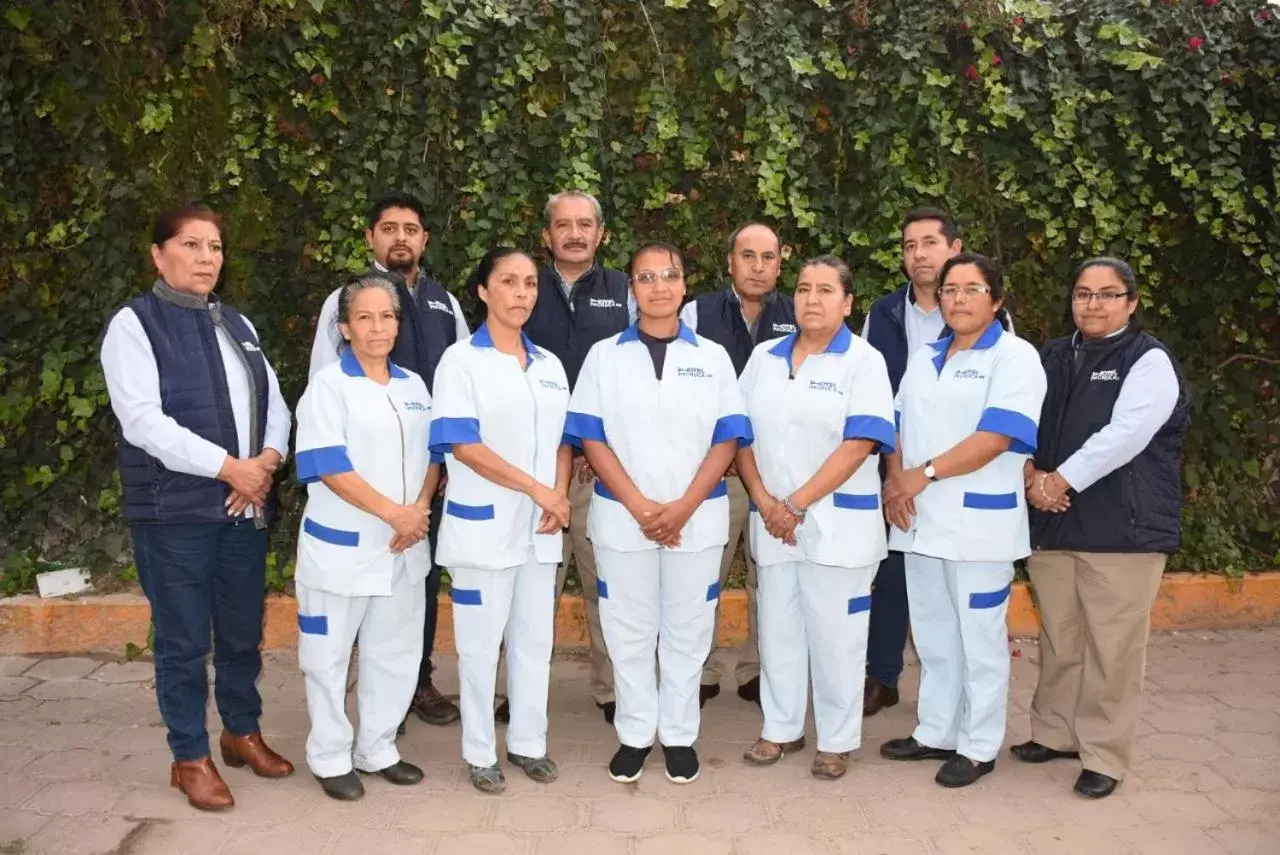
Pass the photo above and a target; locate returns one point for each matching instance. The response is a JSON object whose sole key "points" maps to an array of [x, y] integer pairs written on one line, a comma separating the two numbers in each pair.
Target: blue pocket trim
{"points": [[465, 596], [469, 512], [860, 604], [856, 501], [313, 624], [713, 591], [311, 464], [602, 589], [991, 501], [991, 599], [336, 536]]}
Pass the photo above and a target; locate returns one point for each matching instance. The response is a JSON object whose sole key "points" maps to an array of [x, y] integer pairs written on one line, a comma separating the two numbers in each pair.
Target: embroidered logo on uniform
{"points": [[784, 328], [970, 374], [415, 406], [692, 372], [1111, 374], [250, 346], [603, 303], [822, 386], [551, 384], [439, 307]]}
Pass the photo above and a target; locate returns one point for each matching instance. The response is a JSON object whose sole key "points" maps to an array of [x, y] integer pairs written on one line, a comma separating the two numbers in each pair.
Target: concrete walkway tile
{"points": [[200, 834], [63, 668], [829, 815], [1168, 840], [447, 814], [489, 843], [1070, 840], [880, 843], [778, 843], [685, 844], [16, 788], [537, 814], [73, 765], [1247, 839], [125, 672], [14, 758], [726, 815], [976, 840], [1177, 809], [143, 767], [583, 843], [386, 841], [73, 798], [281, 836], [81, 835], [631, 815], [1255, 773], [12, 688], [1182, 775], [19, 825], [1243, 744], [12, 666], [1249, 805]]}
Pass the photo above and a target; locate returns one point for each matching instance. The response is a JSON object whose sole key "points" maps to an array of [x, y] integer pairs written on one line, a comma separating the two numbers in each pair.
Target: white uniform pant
{"points": [[958, 613], [389, 630], [813, 624], [520, 603], [663, 603]]}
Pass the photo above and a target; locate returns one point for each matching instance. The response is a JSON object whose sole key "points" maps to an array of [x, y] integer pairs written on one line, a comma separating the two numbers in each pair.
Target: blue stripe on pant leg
{"points": [[989, 599]]}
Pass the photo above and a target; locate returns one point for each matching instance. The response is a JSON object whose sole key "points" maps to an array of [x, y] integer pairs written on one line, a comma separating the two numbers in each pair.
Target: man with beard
{"points": [[579, 303], [738, 318], [430, 321]]}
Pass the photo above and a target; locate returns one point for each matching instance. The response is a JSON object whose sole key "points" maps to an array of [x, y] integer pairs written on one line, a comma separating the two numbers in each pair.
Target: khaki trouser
{"points": [[748, 652], [1096, 612], [585, 558]]}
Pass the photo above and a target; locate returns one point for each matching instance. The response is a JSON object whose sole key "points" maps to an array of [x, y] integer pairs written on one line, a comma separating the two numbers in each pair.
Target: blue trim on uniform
{"points": [[436, 457], [313, 624], [397, 373], [336, 536], [310, 465], [751, 507], [732, 427], [602, 589], [856, 501], [465, 596], [570, 440], [720, 490], [713, 591], [839, 343], [583, 426], [989, 337], [483, 338], [1012, 424], [352, 368], [897, 420], [991, 501], [873, 428], [475, 513], [632, 333], [991, 599], [860, 604], [447, 432]]}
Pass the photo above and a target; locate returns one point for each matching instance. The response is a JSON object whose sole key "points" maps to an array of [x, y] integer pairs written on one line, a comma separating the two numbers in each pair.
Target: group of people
{"points": [[884, 483]]}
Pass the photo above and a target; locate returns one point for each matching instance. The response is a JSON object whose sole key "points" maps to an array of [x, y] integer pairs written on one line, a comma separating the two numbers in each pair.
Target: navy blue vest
{"points": [[888, 333], [599, 311], [193, 392], [720, 319], [1136, 508], [428, 325]]}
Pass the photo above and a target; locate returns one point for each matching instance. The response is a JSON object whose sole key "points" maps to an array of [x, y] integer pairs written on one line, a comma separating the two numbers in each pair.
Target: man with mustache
{"points": [[579, 303], [738, 318], [431, 320]]}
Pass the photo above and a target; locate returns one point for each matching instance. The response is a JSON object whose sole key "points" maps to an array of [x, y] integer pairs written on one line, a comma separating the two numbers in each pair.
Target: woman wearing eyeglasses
{"points": [[659, 416], [967, 411], [1106, 490]]}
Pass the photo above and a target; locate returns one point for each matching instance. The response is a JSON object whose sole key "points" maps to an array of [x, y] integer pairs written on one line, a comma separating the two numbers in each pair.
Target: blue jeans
{"points": [[202, 580], [887, 636], [433, 592]]}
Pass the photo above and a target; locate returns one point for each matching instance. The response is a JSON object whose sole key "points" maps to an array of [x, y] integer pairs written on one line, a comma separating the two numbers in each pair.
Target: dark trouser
{"points": [[887, 636], [433, 594], [198, 577]]}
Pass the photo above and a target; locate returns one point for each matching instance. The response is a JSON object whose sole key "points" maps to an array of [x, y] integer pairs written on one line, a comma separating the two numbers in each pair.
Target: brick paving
{"points": [[83, 769]]}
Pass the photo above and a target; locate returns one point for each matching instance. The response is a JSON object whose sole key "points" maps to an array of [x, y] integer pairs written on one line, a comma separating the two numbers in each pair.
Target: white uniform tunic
{"points": [[815, 597], [349, 584], [503, 572], [967, 532], [661, 431]]}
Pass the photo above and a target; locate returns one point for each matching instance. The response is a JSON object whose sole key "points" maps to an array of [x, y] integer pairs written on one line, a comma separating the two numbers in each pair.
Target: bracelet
{"points": [[1043, 492], [792, 509]]}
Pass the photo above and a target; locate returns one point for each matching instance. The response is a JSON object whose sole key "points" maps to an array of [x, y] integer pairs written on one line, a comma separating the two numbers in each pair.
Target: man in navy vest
{"points": [[431, 320], [579, 303], [897, 325], [738, 318]]}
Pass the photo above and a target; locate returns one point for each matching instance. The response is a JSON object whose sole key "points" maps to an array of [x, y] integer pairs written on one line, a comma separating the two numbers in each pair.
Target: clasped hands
{"points": [[1046, 491], [249, 480], [899, 496], [410, 524]]}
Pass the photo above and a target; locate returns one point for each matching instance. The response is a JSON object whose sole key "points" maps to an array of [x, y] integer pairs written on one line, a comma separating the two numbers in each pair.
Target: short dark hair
{"points": [[991, 274], [654, 246], [949, 228], [483, 270], [396, 199], [169, 223], [835, 263], [737, 233]]}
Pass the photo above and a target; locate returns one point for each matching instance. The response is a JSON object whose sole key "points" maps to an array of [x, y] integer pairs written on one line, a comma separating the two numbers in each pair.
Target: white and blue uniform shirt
{"points": [[482, 395], [998, 386], [798, 422], [660, 430], [349, 423]]}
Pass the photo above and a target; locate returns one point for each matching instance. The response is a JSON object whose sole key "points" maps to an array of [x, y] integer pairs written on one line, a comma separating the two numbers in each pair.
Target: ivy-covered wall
{"points": [[1054, 130]]}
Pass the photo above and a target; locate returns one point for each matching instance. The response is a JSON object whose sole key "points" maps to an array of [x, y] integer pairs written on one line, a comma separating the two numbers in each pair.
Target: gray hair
{"points": [[349, 291], [572, 194]]}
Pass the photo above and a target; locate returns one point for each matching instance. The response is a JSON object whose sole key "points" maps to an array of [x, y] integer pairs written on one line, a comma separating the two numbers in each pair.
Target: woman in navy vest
{"points": [[202, 430], [1106, 493]]}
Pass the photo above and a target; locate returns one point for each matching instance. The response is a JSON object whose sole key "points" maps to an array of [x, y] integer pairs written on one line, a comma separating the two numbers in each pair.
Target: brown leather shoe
{"points": [[829, 765], [766, 753], [200, 782], [432, 707], [876, 696], [250, 750]]}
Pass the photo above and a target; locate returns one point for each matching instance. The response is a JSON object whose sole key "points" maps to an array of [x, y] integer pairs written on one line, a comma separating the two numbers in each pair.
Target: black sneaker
{"points": [[628, 763], [609, 708], [960, 771], [682, 764]]}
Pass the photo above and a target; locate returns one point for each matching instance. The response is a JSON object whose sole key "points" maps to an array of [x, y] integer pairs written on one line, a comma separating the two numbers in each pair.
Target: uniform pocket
{"points": [[336, 536], [991, 501], [856, 501], [469, 512]]}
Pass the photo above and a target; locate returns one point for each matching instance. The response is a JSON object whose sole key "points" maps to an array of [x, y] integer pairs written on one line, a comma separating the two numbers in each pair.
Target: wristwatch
{"points": [[929, 471]]}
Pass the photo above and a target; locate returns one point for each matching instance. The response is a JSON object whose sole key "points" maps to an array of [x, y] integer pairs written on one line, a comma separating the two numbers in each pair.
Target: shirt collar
{"points": [[632, 333], [988, 339], [352, 368], [565, 283], [911, 301], [839, 343], [764, 301], [482, 338], [1078, 340]]}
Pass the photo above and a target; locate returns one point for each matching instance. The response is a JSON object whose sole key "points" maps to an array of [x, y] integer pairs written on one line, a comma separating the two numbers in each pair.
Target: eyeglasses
{"points": [[950, 292], [648, 277], [1104, 298]]}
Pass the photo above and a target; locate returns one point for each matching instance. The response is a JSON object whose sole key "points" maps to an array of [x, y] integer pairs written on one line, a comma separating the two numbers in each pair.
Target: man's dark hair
{"points": [[397, 200], [991, 275], [737, 233], [949, 228]]}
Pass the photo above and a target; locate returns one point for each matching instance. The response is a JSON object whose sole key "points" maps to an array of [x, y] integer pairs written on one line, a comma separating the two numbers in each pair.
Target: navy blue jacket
{"points": [[599, 311], [720, 319]]}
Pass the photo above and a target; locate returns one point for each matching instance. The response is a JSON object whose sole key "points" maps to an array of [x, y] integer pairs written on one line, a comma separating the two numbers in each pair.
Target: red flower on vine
{"points": [[1211, 3], [964, 27], [1264, 14], [996, 60], [971, 73], [1194, 44], [1018, 21]]}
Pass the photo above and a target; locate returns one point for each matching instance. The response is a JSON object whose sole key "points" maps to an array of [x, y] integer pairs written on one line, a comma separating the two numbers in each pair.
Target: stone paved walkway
{"points": [[83, 769]]}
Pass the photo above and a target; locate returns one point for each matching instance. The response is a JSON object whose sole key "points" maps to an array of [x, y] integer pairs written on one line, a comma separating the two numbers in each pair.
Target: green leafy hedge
{"points": [[1054, 130]]}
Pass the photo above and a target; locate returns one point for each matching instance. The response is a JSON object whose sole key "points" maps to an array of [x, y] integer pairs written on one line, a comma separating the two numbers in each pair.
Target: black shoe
{"points": [[401, 774], [1033, 752], [750, 691], [876, 695], [706, 692], [432, 707], [346, 788], [909, 749], [1095, 785], [682, 764], [628, 763], [609, 708], [960, 771], [502, 715]]}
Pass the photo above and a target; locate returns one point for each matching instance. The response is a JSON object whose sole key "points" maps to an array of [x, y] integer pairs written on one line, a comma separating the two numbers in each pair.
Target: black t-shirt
{"points": [[657, 350]]}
